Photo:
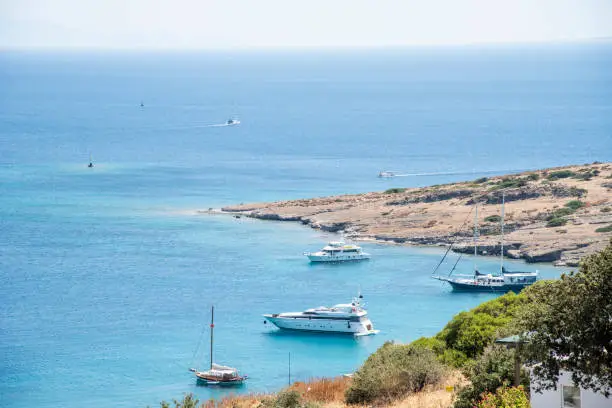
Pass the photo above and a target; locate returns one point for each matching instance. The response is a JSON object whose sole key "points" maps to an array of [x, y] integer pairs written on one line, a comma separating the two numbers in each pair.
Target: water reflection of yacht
{"points": [[350, 318], [338, 251]]}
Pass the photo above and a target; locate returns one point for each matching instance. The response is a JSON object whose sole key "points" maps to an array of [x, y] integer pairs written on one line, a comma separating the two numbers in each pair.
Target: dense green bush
{"points": [[481, 180], [556, 222], [604, 229], [470, 332], [493, 218], [574, 204], [395, 190], [449, 357], [493, 369], [505, 397], [393, 371], [606, 210], [464, 338], [556, 175], [533, 177]]}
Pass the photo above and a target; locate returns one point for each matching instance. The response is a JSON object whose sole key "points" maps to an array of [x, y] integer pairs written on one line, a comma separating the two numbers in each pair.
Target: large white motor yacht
{"points": [[350, 318], [338, 252]]}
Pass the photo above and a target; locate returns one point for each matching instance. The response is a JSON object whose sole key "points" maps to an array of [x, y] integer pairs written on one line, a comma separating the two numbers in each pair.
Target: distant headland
{"points": [[553, 215]]}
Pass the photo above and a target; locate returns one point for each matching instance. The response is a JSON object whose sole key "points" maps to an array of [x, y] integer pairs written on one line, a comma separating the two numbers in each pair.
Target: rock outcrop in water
{"points": [[553, 215]]}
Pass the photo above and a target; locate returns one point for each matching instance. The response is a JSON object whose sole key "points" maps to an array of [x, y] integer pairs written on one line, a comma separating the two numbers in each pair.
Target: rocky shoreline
{"points": [[553, 215]]}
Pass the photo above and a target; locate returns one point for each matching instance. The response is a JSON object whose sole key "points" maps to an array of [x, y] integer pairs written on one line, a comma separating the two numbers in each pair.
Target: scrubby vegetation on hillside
{"points": [[393, 371]]}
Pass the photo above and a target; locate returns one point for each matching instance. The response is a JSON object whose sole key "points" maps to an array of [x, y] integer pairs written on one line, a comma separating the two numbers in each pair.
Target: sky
{"points": [[238, 24]]}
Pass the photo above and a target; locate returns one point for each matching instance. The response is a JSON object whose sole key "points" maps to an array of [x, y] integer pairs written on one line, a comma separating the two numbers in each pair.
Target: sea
{"points": [[108, 274]]}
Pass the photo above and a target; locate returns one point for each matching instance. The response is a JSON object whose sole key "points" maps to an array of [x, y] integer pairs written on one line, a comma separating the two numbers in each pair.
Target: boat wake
{"points": [[211, 125], [459, 173]]}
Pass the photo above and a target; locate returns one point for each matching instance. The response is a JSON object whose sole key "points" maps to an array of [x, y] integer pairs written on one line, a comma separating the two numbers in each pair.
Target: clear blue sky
{"points": [[287, 23]]}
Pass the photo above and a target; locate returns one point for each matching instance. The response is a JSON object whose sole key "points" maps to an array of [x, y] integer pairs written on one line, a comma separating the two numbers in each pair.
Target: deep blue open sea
{"points": [[107, 278]]}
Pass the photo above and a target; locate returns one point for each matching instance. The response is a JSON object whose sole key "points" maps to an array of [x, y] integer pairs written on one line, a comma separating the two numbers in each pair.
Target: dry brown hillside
{"points": [[552, 215]]}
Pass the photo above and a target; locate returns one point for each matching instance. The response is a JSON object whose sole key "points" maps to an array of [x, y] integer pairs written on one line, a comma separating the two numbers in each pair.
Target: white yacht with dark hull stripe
{"points": [[349, 318]]}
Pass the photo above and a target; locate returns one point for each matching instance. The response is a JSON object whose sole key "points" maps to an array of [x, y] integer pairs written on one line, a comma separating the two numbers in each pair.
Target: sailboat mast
{"points": [[502, 231], [475, 234], [212, 327]]}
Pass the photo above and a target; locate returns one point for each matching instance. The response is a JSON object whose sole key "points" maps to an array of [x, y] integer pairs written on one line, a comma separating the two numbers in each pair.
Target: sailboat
{"points": [[90, 165], [217, 374], [504, 281]]}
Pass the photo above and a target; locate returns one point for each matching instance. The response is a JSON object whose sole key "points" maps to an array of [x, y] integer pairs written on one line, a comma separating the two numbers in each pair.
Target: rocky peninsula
{"points": [[553, 215]]}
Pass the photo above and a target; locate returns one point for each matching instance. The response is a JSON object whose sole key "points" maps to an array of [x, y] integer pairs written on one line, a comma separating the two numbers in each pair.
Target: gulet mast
{"points": [[475, 236], [502, 231], [212, 327]]}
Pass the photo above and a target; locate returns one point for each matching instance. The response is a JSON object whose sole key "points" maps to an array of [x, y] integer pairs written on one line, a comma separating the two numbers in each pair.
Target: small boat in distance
{"points": [[349, 318], [387, 174], [338, 251], [217, 374], [231, 122], [90, 165]]}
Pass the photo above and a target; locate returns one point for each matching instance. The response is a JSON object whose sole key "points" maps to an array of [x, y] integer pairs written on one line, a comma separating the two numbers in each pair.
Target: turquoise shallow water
{"points": [[107, 279]]}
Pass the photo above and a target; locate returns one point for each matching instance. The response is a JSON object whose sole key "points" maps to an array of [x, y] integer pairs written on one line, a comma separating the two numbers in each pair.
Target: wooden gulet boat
{"points": [[217, 374]]}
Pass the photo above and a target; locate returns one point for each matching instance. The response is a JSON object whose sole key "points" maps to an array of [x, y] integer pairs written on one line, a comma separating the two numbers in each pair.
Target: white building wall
{"points": [[554, 398]]}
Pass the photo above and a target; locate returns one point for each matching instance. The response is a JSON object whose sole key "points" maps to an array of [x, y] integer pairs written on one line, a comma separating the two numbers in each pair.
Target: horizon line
{"points": [[275, 48]]}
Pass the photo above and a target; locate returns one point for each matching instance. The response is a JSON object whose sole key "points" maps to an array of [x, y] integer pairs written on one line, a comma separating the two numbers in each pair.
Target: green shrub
{"points": [[481, 180], [574, 204], [449, 357], [431, 343], [561, 212], [453, 358], [494, 369], [493, 218], [395, 190], [556, 175], [606, 210], [556, 222], [505, 397], [586, 174], [604, 229], [288, 399], [533, 177], [510, 182], [577, 192], [470, 332], [393, 371]]}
